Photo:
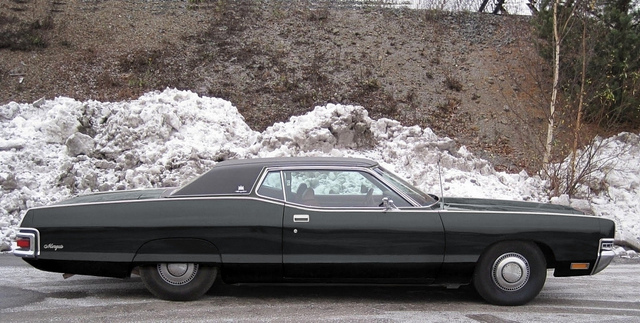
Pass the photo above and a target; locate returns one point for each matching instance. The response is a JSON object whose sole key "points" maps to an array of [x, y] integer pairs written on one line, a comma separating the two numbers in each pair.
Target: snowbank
{"points": [[58, 148], [612, 189]]}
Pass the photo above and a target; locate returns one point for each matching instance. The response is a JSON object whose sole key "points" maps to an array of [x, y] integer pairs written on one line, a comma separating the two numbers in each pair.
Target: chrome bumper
{"points": [[605, 255]]}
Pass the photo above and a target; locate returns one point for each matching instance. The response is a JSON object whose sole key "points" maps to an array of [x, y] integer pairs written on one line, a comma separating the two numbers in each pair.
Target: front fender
{"points": [[178, 250]]}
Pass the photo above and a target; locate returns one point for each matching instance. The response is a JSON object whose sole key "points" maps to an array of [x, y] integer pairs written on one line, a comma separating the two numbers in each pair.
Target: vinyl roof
{"points": [[238, 176]]}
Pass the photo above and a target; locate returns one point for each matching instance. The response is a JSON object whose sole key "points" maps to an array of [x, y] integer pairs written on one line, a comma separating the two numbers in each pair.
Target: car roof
{"points": [[238, 176], [300, 161]]}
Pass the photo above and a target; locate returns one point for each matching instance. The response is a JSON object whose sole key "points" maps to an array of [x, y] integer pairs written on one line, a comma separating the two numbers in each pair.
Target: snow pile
{"points": [[59, 148], [619, 197], [326, 130], [411, 152], [55, 149], [612, 188], [517, 7]]}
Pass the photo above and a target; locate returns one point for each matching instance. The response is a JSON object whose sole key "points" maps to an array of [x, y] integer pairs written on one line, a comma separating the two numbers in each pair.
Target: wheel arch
{"points": [[548, 253], [178, 250]]}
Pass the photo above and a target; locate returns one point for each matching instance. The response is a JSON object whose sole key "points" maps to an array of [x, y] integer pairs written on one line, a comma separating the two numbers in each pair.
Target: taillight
{"points": [[24, 243]]}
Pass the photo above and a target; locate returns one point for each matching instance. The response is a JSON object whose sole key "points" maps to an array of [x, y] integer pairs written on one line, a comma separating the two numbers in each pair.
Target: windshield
{"points": [[418, 196]]}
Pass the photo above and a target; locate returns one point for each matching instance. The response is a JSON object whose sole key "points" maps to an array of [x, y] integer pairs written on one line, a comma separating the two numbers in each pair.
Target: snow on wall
{"points": [[52, 150]]}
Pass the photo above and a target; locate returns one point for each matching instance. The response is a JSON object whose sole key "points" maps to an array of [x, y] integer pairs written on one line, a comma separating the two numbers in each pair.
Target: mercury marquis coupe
{"points": [[318, 220]]}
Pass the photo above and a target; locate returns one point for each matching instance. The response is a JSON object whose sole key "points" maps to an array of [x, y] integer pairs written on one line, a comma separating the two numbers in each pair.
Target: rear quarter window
{"points": [[272, 186]]}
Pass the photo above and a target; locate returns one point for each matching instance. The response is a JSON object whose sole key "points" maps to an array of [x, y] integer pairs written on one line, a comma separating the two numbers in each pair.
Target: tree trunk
{"points": [[576, 132], [554, 92]]}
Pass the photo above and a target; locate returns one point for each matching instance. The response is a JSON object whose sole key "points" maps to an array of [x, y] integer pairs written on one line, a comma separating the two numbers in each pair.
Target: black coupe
{"points": [[319, 220]]}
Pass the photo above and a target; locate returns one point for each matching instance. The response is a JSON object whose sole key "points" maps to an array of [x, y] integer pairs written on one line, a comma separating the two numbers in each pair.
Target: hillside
{"points": [[473, 77]]}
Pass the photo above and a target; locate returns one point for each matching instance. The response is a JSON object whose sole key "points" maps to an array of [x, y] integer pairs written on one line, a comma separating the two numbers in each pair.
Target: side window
{"points": [[331, 188], [272, 186]]}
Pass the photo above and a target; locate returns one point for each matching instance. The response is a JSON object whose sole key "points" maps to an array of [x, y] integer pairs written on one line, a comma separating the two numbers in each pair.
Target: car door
{"points": [[336, 228]]}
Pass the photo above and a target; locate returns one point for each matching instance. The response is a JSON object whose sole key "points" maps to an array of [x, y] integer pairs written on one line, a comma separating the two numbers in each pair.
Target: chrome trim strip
{"points": [[518, 212], [330, 209], [196, 198], [398, 190], [89, 256], [605, 255], [261, 180], [360, 259], [372, 209], [34, 240], [394, 188], [367, 170]]}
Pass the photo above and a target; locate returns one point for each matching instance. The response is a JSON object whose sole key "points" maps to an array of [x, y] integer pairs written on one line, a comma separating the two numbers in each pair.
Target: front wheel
{"points": [[178, 281], [510, 273]]}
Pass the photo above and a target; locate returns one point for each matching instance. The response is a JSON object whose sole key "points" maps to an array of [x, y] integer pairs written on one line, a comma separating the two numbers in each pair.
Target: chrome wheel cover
{"points": [[510, 272], [177, 274]]}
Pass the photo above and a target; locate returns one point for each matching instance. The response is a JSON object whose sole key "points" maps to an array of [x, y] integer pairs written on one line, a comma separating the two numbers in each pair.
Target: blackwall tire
{"points": [[178, 281], [510, 273]]}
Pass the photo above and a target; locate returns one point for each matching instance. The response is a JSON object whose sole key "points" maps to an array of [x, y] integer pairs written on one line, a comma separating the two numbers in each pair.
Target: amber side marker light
{"points": [[579, 266]]}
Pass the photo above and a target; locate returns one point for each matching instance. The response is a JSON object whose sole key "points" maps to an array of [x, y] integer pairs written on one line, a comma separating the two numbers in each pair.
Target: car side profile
{"points": [[313, 220]]}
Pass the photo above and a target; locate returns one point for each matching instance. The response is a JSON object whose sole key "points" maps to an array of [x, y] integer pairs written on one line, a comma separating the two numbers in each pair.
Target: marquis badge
{"points": [[55, 247]]}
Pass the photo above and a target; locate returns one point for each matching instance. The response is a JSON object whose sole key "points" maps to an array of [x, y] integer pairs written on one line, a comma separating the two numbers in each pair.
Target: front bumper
{"points": [[605, 255]]}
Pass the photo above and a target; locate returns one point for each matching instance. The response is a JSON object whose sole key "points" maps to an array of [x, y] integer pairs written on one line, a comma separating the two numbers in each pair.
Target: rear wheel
{"points": [[510, 273], [178, 281]]}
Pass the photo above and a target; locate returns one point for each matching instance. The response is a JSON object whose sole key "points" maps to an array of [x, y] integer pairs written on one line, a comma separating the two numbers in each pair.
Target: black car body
{"points": [[325, 220]]}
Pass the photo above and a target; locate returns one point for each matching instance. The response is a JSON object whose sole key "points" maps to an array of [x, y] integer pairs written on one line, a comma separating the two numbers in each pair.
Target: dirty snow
{"points": [[517, 7], [54, 149]]}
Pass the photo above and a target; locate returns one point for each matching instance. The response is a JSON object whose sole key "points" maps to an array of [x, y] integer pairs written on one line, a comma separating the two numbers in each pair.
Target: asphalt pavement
{"points": [[30, 295]]}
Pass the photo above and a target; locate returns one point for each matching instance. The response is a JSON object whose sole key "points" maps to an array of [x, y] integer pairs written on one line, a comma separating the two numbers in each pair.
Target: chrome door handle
{"points": [[300, 218]]}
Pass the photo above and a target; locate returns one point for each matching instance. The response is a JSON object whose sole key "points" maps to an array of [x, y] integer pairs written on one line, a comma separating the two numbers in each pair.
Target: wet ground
{"points": [[27, 295]]}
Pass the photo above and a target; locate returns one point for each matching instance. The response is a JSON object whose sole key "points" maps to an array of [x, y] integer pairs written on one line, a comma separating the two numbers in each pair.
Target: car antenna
{"points": [[441, 187]]}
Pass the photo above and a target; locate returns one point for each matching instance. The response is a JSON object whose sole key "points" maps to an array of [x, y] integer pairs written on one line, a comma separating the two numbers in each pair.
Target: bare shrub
{"points": [[452, 82], [580, 180]]}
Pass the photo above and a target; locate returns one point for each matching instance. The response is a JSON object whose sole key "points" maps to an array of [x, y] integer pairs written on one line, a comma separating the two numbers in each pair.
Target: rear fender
{"points": [[178, 250]]}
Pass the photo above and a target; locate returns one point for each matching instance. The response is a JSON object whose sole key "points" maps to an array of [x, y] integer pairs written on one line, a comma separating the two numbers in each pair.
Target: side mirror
{"points": [[388, 204]]}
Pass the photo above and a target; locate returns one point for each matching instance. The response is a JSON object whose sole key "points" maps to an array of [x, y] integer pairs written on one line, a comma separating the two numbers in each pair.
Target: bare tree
{"points": [[559, 32], [578, 126], [554, 90]]}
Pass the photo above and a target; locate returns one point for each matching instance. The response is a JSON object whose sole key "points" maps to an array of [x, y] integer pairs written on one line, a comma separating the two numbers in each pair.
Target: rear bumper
{"points": [[605, 255]]}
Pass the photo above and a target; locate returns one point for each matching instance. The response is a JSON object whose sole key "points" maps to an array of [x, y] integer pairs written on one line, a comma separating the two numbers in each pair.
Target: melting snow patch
{"points": [[63, 147]]}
